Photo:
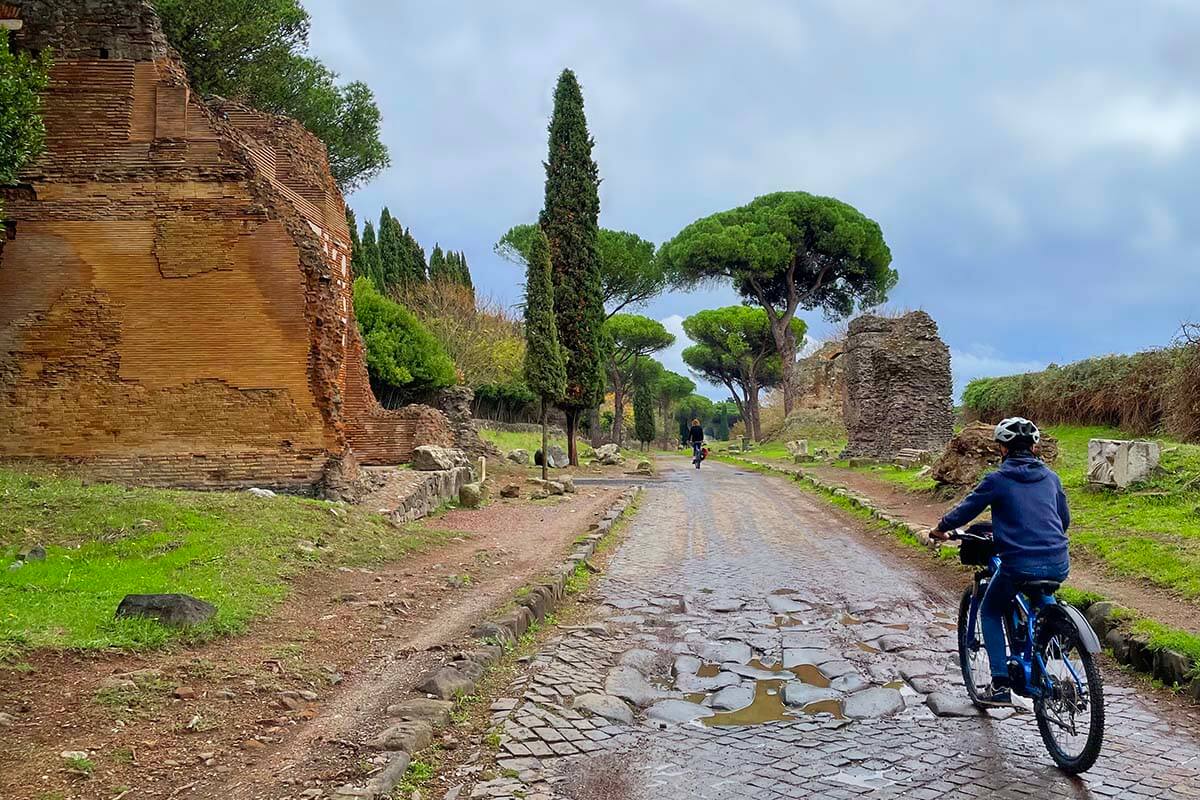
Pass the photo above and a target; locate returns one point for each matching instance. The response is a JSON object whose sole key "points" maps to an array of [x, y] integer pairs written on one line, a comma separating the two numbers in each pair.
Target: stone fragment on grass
{"points": [[176, 610], [518, 456], [472, 495], [511, 491]]}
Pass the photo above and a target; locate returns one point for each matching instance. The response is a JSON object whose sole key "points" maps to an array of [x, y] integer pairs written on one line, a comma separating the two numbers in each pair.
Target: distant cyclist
{"points": [[1029, 523], [696, 437]]}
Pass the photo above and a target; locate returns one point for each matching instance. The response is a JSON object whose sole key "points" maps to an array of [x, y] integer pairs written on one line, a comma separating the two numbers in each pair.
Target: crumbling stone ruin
{"points": [[175, 296], [820, 378], [898, 386]]}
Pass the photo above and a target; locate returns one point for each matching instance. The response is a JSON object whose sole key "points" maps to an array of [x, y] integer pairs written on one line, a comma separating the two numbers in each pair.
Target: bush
{"points": [[403, 359], [1142, 393], [486, 343]]}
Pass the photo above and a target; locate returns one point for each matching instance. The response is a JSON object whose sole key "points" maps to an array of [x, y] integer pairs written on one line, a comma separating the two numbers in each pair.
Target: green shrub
{"points": [[1142, 393], [403, 358]]}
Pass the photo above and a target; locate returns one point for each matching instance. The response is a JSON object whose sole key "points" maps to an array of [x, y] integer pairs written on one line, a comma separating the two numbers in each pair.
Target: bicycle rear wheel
{"points": [[1070, 713], [972, 655]]}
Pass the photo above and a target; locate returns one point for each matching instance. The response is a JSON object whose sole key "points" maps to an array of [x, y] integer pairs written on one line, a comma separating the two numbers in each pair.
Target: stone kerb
{"points": [[412, 722]]}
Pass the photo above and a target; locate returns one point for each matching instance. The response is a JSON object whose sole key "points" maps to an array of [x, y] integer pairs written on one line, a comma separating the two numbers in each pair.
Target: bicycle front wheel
{"points": [[1070, 712], [972, 655]]}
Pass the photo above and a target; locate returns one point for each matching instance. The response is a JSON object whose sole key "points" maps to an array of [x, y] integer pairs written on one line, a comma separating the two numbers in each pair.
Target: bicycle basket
{"points": [[976, 547]]}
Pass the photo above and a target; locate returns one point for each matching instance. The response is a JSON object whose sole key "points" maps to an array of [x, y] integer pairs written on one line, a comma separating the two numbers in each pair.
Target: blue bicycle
{"points": [[1051, 660]]}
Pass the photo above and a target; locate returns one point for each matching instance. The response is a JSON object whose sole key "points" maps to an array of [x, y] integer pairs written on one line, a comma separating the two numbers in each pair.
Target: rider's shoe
{"points": [[996, 696]]}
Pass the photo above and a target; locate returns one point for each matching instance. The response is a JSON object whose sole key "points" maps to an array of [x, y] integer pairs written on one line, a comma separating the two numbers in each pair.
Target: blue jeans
{"points": [[997, 604], [696, 454]]}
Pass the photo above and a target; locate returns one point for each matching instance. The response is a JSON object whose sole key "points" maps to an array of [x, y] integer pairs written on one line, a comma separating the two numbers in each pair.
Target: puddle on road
{"points": [[768, 706], [950, 626], [849, 620], [898, 626], [868, 648], [786, 622], [708, 671], [894, 685]]}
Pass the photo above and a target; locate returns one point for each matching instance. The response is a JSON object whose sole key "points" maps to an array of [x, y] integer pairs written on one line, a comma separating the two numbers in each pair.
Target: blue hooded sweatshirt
{"points": [[1029, 513]]}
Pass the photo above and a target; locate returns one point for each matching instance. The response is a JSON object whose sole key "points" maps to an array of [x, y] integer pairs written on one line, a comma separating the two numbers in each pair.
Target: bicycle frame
{"points": [[1024, 616]]}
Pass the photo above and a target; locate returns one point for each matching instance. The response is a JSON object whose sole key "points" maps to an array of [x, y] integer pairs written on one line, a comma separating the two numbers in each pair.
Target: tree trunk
{"points": [[572, 424], [785, 343], [594, 424], [545, 453], [753, 427]]}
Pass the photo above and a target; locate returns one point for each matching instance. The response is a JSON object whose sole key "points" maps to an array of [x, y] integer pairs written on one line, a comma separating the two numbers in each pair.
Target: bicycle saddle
{"points": [[1040, 587]]}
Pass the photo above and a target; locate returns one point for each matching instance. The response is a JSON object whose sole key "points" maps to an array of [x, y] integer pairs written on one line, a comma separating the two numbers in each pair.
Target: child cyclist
{"points": [[1029, 525]]}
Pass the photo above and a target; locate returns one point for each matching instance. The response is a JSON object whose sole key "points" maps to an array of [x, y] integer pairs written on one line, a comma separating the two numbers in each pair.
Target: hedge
{"points": [[1143, 393]]}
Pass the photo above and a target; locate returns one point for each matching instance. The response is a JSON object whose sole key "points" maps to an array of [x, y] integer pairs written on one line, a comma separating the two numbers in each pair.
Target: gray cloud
{"points": [[1033, 165]]}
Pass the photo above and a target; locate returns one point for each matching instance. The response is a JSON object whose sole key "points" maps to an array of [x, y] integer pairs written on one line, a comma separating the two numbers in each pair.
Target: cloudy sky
{"points": [[1034, 165]]}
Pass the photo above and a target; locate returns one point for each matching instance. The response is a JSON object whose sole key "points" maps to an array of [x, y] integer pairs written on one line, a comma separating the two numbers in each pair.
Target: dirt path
{"points": [[733, 597], [1087, 572], [263, 714]]}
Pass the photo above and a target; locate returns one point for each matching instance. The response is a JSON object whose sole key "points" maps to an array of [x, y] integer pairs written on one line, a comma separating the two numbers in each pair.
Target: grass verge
{"points": [[104, 541]]}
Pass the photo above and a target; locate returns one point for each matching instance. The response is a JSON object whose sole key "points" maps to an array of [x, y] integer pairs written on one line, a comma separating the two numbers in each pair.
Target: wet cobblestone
{"points": [[758, 585]]}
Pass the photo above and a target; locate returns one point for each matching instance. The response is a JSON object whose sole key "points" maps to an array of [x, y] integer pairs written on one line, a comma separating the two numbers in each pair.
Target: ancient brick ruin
{"points": [[898, 386], [175, 296]]}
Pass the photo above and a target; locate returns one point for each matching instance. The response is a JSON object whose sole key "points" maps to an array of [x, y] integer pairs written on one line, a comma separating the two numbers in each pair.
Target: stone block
{"points": [[428, 458], [1120, 463]]}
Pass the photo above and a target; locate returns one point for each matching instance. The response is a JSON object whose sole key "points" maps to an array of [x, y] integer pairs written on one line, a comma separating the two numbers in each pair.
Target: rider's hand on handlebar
{"points": [[938, 536]]}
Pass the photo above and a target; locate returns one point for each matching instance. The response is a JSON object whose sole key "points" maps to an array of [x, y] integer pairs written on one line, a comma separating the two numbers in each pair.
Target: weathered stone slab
{"points": [[873, 703], [677, 712], [610, 708]]}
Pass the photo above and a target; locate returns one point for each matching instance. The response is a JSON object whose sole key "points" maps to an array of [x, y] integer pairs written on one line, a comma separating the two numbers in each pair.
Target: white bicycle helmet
{"points": [[1017, 430]]}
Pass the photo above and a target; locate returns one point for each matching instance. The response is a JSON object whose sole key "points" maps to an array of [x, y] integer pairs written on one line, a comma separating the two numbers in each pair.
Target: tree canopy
{"points": [[630, 272], [737, 349], [630, 337], [22, 134], [786, 251], [255, 51], [403, 358], [569, 220]]}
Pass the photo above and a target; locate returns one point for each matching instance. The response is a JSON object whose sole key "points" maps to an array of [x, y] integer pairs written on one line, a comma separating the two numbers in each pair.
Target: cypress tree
{"points": [[371, 264], [464, 272], [417, 271], [643, 412], [545, 368], [569, 218], [392, 255], [438, 264], [357, 266]]}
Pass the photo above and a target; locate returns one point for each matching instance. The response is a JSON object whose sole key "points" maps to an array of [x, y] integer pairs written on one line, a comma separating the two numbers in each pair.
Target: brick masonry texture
{"points": [[898, 386], [175, 306]]}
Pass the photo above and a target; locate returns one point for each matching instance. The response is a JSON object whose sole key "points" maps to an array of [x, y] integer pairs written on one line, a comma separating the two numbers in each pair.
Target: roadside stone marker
{"points": [[1120, 463]]}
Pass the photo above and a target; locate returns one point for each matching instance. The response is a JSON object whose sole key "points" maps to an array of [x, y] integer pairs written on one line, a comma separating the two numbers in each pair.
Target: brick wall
{"points": [[175, 307]]}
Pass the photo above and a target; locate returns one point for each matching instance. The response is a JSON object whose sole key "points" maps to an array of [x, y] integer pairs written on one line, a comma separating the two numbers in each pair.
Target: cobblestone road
{"points": [[732, 589]]}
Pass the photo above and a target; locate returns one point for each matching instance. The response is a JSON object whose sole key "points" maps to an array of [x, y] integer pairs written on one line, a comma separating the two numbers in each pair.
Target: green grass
{"points": [[105, 541], [512, 440]]}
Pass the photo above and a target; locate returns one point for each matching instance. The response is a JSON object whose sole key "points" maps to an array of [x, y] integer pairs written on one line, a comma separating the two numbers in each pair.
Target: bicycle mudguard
{"points": [[1087, 636]]}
